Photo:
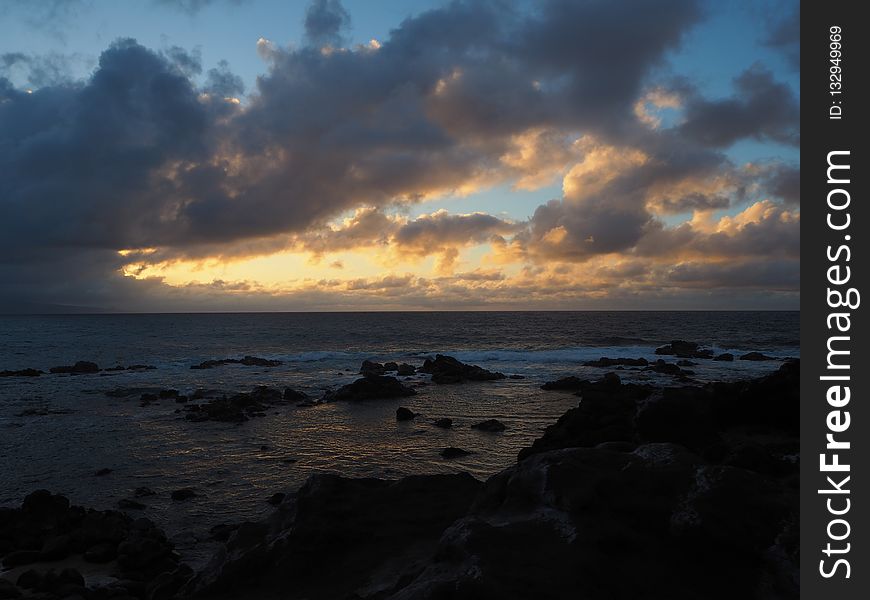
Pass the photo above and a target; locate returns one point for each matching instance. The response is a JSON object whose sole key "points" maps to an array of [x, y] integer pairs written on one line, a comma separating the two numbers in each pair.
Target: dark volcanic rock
{"points": [[102, 472], [491, 425], [371, 387], [371, 530], [614, 362], [238, 408], [725, 356], [686, 363], [47, 528], [405, 370], [444, 423], [666, 368], [291, 395], [391, 367], [80, 367], [565, 383], [22, 373], [452, 452], [756, 356], [404, 414], [369, 367], [592, 500], [248, 361], [605, 414], [446, 369], [684, 349], [276, 498]]}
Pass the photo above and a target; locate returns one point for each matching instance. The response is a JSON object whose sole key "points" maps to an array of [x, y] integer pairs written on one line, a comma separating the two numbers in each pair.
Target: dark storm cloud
{"points": [[139, 156], [785, 34], [325, 22], [762, 108], [194, 6], [785, 183]]}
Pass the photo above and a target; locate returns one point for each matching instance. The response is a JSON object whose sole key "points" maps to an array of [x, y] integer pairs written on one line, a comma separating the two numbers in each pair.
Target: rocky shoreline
{"points": [[641, 491]]}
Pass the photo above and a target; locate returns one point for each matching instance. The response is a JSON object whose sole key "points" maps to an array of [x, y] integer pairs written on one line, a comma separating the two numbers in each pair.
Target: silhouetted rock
{"points": [[686, 363], [143, 492], [491, 425], [369, 367], [223, 531], [444, 423], [571, 383], [757, 356], [446, 369], [725, 356], [405, 370], [404, 414], [248, 361], [684, 349], [102, 472], [79, 368], [369, 529], [452, 452], [101, 553], [238, 408], [391, 367], [291, 395], [371, 387], [606, 362], [22, 373], [276, 498]]}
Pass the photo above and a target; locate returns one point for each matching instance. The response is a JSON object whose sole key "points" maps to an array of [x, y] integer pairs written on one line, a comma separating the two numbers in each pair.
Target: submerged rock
{"points": [[446, 369], [371, 387], [369, 367], [757, 356], [444, 423], [725, 356], [405, 370]]}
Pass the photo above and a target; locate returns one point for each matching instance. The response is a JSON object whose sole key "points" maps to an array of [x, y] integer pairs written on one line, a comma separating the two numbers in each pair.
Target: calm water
{"points": [[85, 430]]}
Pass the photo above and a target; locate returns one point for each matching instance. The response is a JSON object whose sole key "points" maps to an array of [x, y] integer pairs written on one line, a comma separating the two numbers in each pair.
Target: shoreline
{"points": [[690, 448]]}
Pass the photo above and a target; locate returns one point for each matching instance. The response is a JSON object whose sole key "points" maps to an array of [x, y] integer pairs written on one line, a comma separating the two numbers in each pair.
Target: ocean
{"points": [[58, 431]]}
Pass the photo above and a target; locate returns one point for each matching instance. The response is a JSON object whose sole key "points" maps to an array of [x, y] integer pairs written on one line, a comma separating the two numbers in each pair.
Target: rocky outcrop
{"points": [[369, 531], [47, 528], [371, 387], [80, 368], [490, 425], [405, 414], [248, 361], [570, 383], [725, 357], [446, 369], [605, 362], [684, 349], [757, 356], [239, 407], [22, 373]]}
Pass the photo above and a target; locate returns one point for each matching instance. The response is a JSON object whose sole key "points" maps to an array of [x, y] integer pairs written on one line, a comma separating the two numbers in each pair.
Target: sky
{"points": [[223, 155]]}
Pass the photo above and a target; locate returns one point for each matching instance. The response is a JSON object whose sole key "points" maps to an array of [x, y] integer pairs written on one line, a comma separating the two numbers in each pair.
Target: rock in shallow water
{"points": [[491, 425], [370, 387], [404, 414], [446, 369]]}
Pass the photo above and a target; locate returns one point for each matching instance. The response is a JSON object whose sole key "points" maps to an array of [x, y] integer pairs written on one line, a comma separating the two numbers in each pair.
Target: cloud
{"points": [[325, 22], [334, 144], [762, 109], [785, 34]]}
